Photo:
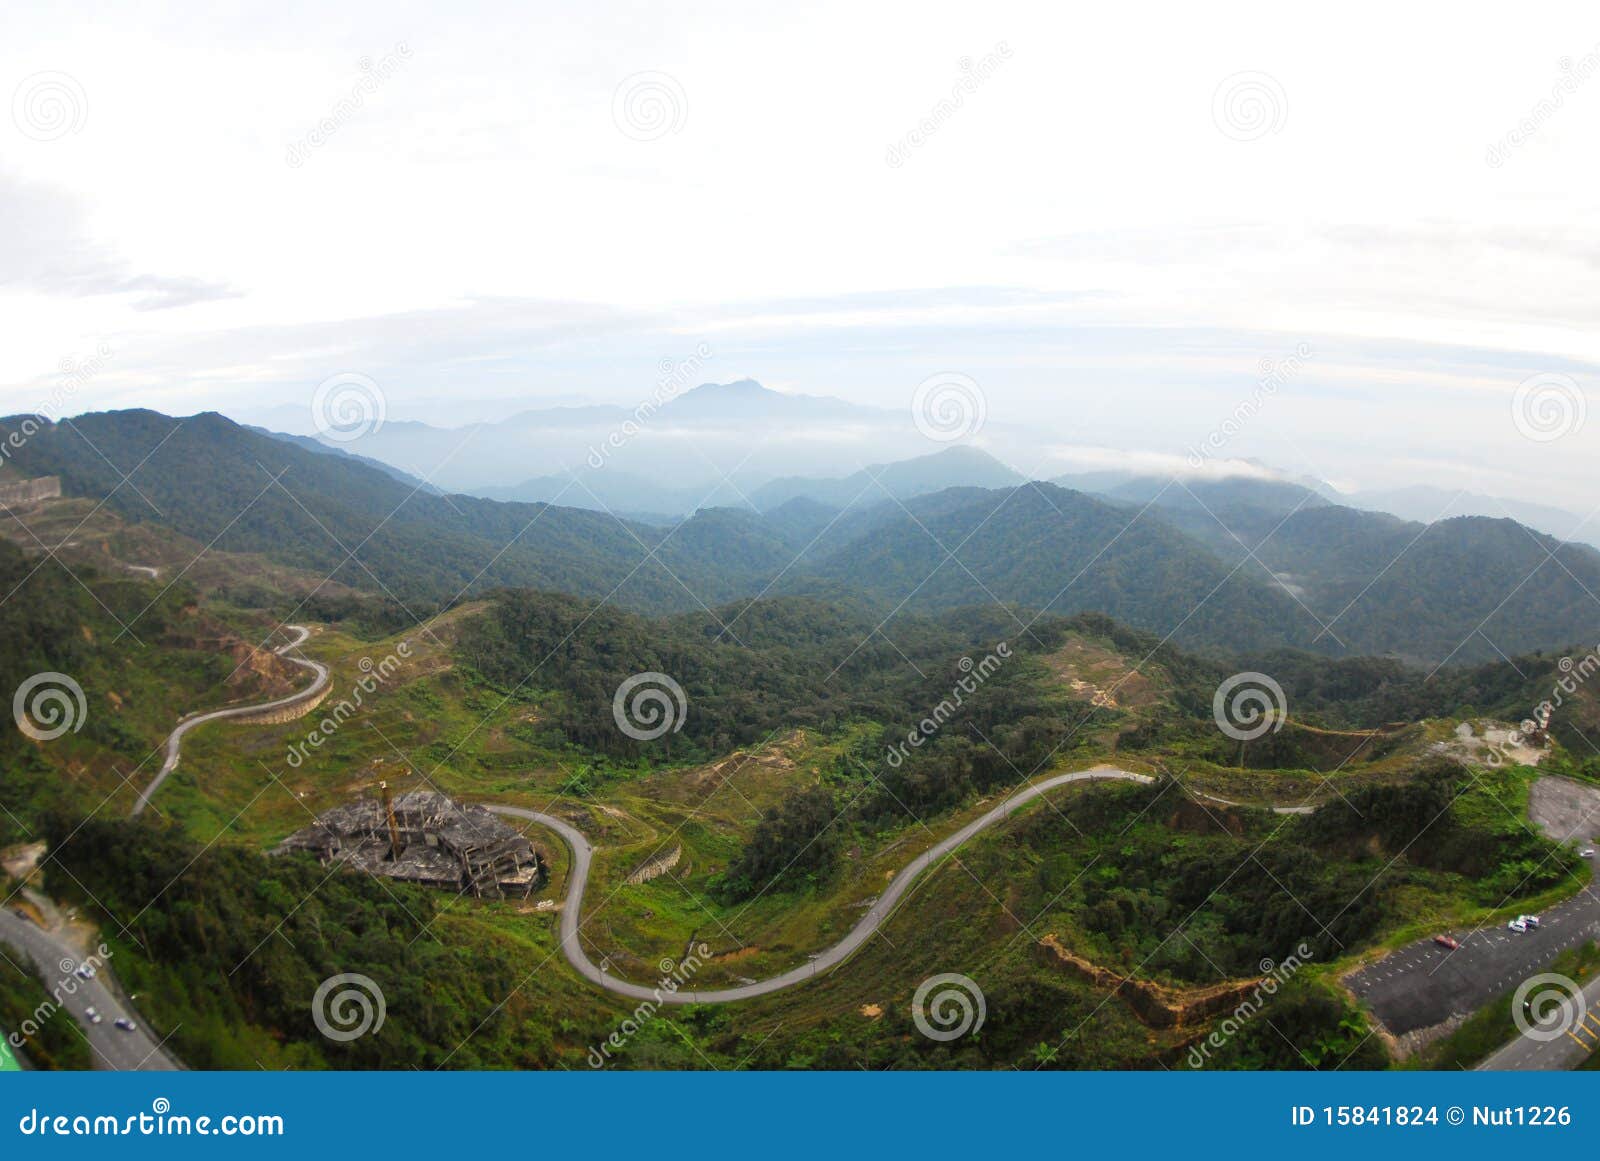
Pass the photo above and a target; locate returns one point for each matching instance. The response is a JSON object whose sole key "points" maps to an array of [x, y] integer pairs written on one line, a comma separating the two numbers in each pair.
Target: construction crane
{"points": [[394, 826]]}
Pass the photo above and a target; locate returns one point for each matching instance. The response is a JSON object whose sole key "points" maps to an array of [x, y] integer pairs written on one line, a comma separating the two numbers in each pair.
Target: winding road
{"points": [[582, 854], [54, 959], [175, 739], [112, 1047]]}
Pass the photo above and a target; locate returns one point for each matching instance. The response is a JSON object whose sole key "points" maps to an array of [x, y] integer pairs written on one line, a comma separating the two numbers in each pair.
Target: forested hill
{"points": [[233, 489], [1052, 549], [1229, 569], [1470, 588]]}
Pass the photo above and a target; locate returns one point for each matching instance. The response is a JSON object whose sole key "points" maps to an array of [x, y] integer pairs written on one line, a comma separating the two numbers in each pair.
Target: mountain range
{"points": [[1239, 564], [669, 453]]}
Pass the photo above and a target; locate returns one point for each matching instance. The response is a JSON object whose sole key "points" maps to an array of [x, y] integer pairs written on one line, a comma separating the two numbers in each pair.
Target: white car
{"points": [[125, 1024], [1586, 853], [86, 971], [1529, 920], [93, 1014], [1518, 925]]}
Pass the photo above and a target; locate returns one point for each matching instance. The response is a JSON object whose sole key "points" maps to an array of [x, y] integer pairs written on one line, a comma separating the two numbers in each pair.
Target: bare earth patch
{"points": [[1100, 677]]}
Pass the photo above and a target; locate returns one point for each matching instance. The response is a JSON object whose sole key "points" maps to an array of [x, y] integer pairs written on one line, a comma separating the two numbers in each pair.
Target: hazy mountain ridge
{"points": [[1468, 588], [677, 440]]}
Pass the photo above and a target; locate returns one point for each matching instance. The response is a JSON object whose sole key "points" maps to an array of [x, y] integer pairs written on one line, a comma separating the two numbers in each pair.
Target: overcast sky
{"points": [[1107, 219]]}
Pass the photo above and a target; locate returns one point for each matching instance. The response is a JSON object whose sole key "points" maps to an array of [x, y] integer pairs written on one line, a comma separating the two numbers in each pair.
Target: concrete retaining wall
{"points": [[27, 492], [656, 867], [277, 715]]}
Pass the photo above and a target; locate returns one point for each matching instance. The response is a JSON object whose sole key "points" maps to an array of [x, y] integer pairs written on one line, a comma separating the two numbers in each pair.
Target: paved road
{"points": [[110, 1047], [1424, 984], [1566, 1048], [578, 880], [175, 739]]}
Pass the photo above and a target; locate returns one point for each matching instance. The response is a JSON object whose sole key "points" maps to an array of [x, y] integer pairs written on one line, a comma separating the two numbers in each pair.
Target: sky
{"points": [[1117, 224]]}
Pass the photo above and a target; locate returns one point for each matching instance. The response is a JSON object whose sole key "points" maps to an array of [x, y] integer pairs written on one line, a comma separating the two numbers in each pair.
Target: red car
{"points": [[1447, 941]]}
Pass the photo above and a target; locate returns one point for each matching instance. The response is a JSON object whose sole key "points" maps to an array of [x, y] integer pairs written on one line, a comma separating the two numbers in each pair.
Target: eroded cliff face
{"points": [[1156, 1005], [254, 673]]}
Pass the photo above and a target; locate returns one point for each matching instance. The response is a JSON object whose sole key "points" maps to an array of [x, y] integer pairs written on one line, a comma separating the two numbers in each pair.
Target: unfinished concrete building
{"points": [[424, 837]]}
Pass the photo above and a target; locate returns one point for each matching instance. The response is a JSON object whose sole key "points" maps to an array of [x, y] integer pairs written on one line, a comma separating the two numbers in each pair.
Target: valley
{"points": [[884, 760]]}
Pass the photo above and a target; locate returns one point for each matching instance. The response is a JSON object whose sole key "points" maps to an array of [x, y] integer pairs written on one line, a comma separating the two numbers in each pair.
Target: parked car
{"points": [[1529, 920], [1518, 925], [94, 1014], [86, 971], [124, 1023], [1449, 941], [1586, 853]]}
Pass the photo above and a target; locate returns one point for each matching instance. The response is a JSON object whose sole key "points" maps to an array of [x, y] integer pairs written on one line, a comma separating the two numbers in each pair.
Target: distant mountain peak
{"points": [[747, 399], [737, 387]]}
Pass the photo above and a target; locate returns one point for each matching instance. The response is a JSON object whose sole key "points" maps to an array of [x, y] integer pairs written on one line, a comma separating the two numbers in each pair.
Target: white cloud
{"points": [[1079, 235]]}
